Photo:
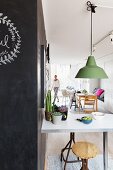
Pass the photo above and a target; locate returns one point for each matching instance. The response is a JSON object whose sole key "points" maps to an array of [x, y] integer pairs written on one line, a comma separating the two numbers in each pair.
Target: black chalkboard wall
{"points": [[18, 91]]}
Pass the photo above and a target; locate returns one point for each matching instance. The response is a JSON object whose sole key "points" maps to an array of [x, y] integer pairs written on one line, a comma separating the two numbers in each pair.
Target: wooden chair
{"points": [[90, 104]]}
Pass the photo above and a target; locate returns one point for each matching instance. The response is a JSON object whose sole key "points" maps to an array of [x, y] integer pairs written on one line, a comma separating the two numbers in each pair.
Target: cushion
{"points": [[102, 95], [99, 92]]}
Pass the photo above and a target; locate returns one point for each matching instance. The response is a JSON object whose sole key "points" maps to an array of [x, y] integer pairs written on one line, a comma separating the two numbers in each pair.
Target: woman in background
{"points": [[55, 86]]}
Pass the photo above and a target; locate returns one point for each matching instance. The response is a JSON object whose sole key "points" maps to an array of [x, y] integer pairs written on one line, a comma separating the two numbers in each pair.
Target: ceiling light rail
{"points": [[103, 6], [110, 34]]}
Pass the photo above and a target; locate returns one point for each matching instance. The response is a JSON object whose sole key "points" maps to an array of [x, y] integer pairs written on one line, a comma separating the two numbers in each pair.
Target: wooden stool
{"points": [[84, 150]]}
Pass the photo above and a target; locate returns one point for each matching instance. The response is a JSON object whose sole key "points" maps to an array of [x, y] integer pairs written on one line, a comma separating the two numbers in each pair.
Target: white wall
{"points": [[107, 84], [66, 75], [93, 83]]}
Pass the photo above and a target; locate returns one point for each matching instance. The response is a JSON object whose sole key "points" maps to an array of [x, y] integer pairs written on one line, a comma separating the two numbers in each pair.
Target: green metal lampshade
{"points": [[91, 70]]}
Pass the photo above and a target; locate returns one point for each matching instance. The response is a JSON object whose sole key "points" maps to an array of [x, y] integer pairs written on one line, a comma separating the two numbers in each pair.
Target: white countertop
{"points": [[104, 124]]}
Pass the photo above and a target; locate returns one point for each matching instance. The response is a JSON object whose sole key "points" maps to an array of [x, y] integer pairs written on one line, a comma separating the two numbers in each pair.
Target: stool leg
{"points": [[87, 164], [84, 164], [68, 148], [67, 156]]}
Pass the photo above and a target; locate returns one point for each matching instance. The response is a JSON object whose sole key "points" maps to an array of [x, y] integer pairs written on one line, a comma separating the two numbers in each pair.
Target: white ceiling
{"points": [[67, 24]]}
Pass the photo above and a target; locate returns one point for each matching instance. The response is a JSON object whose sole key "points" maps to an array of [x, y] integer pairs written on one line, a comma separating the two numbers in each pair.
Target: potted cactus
{"points": [[48, 109]]}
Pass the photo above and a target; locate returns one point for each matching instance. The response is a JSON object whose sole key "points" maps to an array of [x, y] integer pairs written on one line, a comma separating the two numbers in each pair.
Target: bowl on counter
{"points": [[87, 119]]}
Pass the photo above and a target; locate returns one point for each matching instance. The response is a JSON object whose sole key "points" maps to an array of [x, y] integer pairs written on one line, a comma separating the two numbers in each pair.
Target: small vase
{"points": [[48, 116]]}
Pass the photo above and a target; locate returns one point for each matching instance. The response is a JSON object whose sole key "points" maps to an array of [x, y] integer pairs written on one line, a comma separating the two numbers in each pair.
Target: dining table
{"points": [[81, 96], [103, 125]]}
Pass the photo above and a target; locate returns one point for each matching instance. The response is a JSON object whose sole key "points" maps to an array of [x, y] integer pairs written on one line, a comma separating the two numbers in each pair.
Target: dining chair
{"points": [[73, 101], [65, 95], [90, 104]]}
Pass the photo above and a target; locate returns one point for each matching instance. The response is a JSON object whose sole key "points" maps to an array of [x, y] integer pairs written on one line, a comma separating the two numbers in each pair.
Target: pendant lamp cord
{"points": [[91, 33], [91, 7]]}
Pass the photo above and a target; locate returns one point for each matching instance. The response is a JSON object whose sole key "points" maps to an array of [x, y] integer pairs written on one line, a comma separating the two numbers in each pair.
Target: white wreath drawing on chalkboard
{"points": [[7, 55]]}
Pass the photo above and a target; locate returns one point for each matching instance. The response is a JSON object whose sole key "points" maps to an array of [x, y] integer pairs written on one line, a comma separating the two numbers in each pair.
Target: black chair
{"points": [[73, 101]]}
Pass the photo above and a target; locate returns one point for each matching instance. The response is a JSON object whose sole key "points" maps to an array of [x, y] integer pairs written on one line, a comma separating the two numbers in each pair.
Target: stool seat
{"points": [[85, 150]]}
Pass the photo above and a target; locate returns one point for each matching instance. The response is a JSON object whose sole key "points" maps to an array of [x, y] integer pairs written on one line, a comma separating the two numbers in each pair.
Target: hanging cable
{"points": [[91, 7], [91, 31]]}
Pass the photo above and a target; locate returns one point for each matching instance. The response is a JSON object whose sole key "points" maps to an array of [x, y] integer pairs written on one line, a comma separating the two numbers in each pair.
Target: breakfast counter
{"points": [[103, 124]]}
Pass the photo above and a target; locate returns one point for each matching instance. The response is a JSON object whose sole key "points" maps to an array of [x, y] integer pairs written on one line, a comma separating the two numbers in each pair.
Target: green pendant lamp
{"points": [[91, 70]]}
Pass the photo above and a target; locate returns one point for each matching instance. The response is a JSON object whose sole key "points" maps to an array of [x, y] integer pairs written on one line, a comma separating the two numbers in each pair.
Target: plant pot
{"points": [[56, 118], [48, 116]]}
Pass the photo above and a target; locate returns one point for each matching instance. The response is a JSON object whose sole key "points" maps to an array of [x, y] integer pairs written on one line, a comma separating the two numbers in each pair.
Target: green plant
{"points": [[84, 91], [63, 109], [48, 102], [55, 108], [57, 114], [48, 106]]}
